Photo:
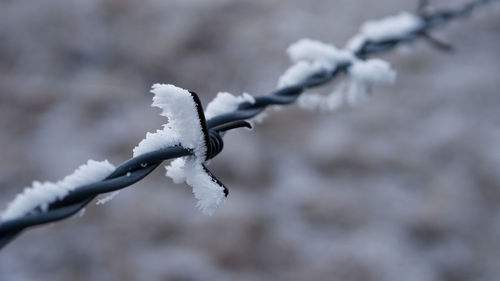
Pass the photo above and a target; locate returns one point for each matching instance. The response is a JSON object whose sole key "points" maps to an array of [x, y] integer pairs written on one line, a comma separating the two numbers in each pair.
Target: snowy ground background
{"points": [[404, 187]]}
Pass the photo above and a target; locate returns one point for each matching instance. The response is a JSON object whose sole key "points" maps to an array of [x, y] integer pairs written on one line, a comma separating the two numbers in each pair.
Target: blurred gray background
{"points": [[404, 187]]}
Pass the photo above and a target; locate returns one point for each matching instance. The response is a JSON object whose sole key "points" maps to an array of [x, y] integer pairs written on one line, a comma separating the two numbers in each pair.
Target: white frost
{"points": [[160, 139], [183, 124], [372, 70], [356, 42], [363, 74], [355, 90], [184, 128], [81, 213], [189, 169], [358, 91], [299, 72], [225, 103], [331, 102], [208, 192], [205, 188], [388, 28], [311, 57], [42, 194], [391, 27], [176, 170], [317, 51], [107, 198]]}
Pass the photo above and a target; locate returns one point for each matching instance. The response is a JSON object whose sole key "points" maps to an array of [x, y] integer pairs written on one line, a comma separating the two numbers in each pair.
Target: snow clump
{"points": [[185, 127], [225, 102], [392, 27], [42, 194]]}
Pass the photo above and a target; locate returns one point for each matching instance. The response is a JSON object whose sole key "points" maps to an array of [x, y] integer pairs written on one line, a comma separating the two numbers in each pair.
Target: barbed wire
{"points": [[139, 167]]}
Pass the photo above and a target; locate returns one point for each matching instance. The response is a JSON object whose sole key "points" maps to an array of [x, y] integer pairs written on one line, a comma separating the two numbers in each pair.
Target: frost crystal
{"points": [[107, 198], [185, 128], [311, 57], [176, 170], [317, 51], [206, 188], [363, 74], [183, 124], [330, 102], [392, 27], [225, 103], [357, 92], [372, 70], [356, 43], [40, 195], [299, 72], [208, 191]]}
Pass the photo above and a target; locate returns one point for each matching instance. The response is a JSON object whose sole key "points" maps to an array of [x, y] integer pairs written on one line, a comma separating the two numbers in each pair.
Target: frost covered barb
{"points": [[192, 136]]}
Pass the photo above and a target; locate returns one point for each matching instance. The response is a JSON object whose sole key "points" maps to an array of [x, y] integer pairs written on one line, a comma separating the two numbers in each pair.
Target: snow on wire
{"points": [[192, 136]]}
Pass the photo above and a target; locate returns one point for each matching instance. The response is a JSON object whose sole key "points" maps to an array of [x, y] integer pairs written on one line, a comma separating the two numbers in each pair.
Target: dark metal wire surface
{"points": [[139, 167]]}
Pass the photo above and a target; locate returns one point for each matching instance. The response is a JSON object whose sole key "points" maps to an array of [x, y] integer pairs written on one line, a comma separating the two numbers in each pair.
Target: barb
{"points": [[135, 169]]}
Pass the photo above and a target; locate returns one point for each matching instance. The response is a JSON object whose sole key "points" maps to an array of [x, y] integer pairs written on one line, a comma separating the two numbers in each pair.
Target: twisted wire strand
{"points": [[135, 169]]}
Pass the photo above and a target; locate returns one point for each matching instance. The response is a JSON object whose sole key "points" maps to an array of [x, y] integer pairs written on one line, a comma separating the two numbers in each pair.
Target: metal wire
{"points": [[139, 167]]}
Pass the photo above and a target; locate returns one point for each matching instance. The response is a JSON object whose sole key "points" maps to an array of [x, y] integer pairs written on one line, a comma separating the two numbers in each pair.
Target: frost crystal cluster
{"points": [[394, 27], [225, 103], [40, 194], [185, 127], [311, 57]]}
